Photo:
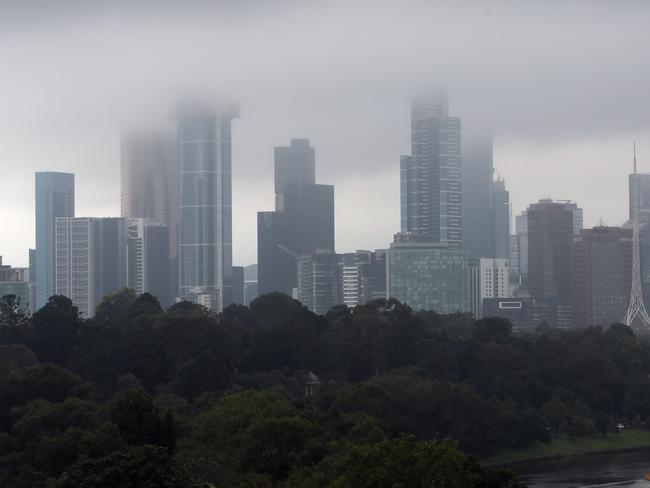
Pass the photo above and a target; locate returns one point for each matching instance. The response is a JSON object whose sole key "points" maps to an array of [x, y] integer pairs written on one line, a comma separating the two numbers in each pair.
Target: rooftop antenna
{"points": [[634, 157]]}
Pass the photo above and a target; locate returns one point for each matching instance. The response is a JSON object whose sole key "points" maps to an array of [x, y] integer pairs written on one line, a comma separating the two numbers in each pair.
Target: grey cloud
{"points": [[76, 73]]}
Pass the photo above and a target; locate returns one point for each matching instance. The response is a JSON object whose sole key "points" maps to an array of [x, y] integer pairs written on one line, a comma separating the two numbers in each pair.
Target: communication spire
{"points": [[636, 307]]}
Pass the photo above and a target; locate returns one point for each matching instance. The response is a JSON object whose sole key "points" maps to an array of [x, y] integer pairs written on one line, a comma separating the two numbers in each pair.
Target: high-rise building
{"points": [[550, 235], [302, 223], [149, 173], [54, 198], [427, 276], [488, 278], [431, 177], [639, 191], [294, 164], [519, 255], [238, 286], [16, 282], [320, 281], [500, 219], [147, 258], [601, 275], [32, 280], [477, 195], [205, 204], [90, 259], [364, 276]]}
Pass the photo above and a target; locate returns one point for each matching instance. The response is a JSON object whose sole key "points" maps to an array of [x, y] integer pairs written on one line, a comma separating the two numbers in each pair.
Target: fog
{"points": [[563, 85]]}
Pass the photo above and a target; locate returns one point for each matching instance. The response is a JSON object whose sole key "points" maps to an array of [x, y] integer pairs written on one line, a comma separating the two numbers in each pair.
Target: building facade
{"points": [[363, 275], [431, 177], [428, 276], [320, 281], [16, 282], [550, 236], [527, 314], [205, 204], [302, 223], [488, 278], [500, 219], [54, 198], [601, 275], [147, 258], [90, 260]]}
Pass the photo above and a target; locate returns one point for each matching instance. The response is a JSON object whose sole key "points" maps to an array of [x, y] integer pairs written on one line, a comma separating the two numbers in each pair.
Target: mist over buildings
{"points": [[563, 87]]}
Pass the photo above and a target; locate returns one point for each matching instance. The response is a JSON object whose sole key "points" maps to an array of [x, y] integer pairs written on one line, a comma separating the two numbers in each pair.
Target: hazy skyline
{"points": [[564, 86]]}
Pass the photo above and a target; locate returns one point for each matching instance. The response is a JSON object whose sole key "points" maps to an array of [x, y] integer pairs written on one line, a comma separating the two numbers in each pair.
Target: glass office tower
{"points": [[205, 205], [54, 198]]}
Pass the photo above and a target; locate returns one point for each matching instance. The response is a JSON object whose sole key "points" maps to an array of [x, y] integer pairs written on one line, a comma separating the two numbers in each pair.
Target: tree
{"points": [[136, 467], [140, 421], [56, 328]]}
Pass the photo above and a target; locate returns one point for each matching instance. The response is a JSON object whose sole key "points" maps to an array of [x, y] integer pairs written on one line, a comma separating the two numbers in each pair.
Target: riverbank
{"points": [[560, 447]]}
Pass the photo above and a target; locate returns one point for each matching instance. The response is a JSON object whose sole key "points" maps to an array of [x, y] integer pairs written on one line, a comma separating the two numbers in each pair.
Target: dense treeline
{"points": [[140, 396]]}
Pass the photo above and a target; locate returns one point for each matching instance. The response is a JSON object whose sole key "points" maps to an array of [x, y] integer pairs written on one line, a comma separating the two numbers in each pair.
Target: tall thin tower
{"points": [[636, 307]]}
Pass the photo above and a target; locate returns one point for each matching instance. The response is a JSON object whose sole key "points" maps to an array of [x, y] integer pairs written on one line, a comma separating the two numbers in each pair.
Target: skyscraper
{"points": [[302, 223], [294, 164], [205, 204], [149, 173], [477, 196], [54, 198], [319, 281], [601, 275], [550, 234], [486, 202], [147, 258], [519, 255], [500, 219], [430, 178], [90, 259], [364, 276]]}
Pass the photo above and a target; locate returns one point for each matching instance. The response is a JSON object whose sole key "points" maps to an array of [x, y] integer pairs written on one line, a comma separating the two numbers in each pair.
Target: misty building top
{"points": [[192, 108]]}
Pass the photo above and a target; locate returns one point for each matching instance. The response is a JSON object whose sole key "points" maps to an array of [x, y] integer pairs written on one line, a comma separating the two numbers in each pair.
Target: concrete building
{"points": [[15, 281], [302, 223], [90, 260], [54, 198], [601, 275], [431, 177], [320, 281], [428, 276], [205, 204], [488, 278], [147, 258]]}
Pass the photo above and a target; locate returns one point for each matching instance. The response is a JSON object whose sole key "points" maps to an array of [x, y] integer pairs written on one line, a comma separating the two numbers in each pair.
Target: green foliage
{"points": [[140, 396]]}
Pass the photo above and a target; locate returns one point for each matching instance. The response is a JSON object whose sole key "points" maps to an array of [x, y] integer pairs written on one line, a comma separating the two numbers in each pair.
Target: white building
{"points": [[488, 278], [89, 259]]}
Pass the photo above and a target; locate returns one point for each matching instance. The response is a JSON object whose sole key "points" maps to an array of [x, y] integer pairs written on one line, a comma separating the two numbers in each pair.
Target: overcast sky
{"points": [[565, 86]]}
